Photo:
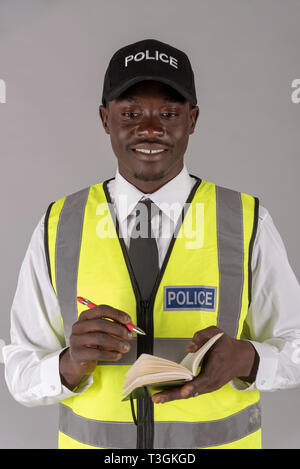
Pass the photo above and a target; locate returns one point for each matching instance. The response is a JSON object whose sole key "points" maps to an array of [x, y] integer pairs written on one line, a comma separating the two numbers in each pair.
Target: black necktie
{"points": [[143, 251]]}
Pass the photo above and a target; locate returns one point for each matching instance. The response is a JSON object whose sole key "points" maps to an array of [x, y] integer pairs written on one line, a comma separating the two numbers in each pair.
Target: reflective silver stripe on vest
{"points": [[170, 348], [231, 258], [103, 434], [67, 249]]}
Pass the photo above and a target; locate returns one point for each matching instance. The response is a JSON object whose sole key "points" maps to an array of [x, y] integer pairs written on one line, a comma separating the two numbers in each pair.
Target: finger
{"points": [[87, 354], [187, 391], [202, 384], [182, 392], [210, 379], [201, 337], [101, 325], [110, 356], [99, 340], [105, 311]]}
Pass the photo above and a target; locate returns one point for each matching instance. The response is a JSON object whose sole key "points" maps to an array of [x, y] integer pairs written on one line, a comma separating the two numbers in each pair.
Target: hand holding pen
{"points": [[100, 334], [131, 327]]}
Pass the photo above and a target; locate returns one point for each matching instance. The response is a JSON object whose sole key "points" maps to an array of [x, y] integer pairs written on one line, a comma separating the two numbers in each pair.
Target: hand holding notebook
{"points": [[157, 373], [226, 358]]}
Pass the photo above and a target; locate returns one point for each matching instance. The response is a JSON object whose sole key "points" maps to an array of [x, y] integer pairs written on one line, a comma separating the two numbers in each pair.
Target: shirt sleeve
{"points": [[273, 321], [37, 338]]}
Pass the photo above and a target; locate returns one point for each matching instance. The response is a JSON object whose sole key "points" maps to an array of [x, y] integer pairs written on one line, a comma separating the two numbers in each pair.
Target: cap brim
{"points": [[132, 81]]}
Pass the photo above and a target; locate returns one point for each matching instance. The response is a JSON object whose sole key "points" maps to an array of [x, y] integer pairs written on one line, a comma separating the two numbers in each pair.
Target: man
{"points": [[188, 278]]}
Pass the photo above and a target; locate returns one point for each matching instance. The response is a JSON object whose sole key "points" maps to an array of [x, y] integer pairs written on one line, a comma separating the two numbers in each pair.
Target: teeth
{"points": [[143, 150]]}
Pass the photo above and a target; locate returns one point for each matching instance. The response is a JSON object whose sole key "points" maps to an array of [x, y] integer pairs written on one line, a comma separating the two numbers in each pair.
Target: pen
{"points": [[129, 326]]}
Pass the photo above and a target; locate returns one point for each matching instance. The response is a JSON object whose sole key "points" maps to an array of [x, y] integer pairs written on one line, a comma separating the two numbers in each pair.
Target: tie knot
{"points": [[144, 212], [152, 208]]}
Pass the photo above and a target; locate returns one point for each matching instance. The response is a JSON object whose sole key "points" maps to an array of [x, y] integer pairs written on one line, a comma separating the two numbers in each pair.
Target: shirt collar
{"points": [[172, 195]]}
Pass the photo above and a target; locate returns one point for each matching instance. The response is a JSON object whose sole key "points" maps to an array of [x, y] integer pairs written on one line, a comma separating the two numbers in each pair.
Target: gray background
{"points": [[53, 56]]}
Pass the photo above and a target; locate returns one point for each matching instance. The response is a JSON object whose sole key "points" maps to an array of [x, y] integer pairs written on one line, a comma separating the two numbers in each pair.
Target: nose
{"points": [[150, 127]]}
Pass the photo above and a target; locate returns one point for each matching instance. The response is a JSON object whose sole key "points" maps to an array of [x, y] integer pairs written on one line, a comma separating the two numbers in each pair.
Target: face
{"points": [[149, 127]]}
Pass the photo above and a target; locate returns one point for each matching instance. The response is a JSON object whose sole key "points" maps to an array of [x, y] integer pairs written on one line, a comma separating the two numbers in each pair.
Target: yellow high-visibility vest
{"points": [[205, 280]]}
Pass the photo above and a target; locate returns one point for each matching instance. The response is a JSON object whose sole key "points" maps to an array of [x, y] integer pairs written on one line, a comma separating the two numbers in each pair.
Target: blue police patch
{"points": [[190, 298]]}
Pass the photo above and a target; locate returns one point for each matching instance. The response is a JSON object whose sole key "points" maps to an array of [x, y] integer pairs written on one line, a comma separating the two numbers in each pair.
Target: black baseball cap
{"points": [[149, 60]]}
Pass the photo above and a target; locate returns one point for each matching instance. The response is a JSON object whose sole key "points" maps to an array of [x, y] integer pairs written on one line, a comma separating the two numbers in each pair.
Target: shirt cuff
{"points": [[51, 382], [266, 372]]}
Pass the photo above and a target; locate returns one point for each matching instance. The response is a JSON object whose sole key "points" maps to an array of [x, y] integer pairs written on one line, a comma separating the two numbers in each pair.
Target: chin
{"points": [[148, 176]]}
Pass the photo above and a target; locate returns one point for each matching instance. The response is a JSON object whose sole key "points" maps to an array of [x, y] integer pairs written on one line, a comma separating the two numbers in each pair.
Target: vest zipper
{"points": [[145, 429]]}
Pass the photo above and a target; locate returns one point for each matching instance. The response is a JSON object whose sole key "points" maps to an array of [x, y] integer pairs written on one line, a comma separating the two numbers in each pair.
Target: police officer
{"points": [[180, 294]]}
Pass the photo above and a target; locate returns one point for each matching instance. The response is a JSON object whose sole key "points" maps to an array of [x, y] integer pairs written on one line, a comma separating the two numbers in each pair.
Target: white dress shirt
{"points": [[37, 336]]}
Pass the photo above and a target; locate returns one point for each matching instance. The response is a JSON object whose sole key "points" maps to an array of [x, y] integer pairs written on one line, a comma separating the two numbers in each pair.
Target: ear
{"points": [[194, 113], [103, 112]]}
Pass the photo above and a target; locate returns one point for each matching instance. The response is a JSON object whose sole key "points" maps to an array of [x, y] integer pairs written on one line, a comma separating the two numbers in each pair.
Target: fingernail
{"points": [[159, 400], [190, 347], [188, 392]]}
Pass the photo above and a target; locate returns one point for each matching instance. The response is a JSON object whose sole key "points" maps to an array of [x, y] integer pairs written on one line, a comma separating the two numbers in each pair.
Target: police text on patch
{"points": [[194, 297]]}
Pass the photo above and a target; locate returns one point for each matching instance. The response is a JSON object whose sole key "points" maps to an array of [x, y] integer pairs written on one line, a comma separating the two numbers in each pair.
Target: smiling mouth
{"points": [[148, 152]]}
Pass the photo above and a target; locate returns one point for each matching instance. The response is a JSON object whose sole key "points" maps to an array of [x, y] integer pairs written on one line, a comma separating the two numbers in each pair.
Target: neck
{"points": [[149, 185]]}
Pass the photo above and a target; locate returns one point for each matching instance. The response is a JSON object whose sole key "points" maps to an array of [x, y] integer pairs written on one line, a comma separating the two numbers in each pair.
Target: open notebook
{"points": [[158, 373]]}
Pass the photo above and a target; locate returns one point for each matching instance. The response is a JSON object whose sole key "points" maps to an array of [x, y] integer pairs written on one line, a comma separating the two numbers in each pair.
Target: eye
{"points": [[170, 115], [129, 114]]}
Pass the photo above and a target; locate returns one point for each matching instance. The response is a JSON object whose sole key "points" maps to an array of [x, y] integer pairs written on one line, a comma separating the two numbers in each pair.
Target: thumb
{"points": [[201, 337]]}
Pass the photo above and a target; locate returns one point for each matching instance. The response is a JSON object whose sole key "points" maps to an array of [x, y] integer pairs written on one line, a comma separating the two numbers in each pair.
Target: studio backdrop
{"points": [[53, 56]]}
